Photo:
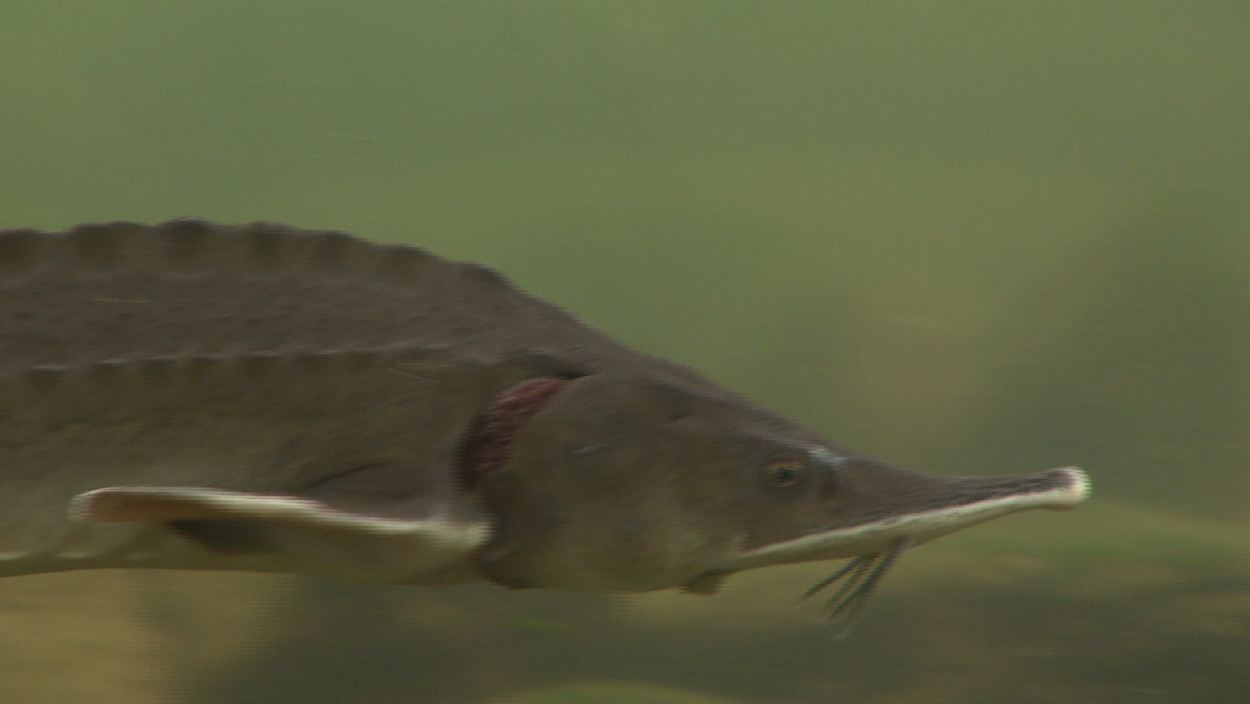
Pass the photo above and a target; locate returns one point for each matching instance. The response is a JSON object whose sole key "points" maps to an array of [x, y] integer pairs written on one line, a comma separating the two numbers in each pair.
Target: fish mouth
{"points": [[485, 447]]}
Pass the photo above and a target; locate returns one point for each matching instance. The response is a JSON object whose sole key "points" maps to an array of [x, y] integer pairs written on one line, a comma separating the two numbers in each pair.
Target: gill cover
{"points": [[625, 483]]}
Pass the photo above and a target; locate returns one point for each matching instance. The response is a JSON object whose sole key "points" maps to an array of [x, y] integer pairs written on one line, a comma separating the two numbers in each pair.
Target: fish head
{"points": [[631, 483]]}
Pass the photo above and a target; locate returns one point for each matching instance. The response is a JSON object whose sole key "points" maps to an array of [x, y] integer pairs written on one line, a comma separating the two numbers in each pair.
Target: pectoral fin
{"points": [[334, 534]]}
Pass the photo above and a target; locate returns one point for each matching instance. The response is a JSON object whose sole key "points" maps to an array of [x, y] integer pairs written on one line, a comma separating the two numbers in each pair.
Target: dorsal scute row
{"points": [[188, 288]]}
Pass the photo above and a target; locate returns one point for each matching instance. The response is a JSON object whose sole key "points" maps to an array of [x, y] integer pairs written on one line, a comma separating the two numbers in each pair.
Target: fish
{"points": [[259, 397]]}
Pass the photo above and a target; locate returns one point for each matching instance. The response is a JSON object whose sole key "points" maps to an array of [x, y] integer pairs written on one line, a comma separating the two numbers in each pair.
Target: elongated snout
{"points": [[878, 505], [870, 492]]}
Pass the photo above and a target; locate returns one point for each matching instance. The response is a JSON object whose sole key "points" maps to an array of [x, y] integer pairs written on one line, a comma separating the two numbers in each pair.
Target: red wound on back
{"points": [[485, 447]]}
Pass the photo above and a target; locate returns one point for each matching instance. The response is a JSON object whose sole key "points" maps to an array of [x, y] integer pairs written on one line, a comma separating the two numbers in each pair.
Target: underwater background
{"points": [[963, 237]]}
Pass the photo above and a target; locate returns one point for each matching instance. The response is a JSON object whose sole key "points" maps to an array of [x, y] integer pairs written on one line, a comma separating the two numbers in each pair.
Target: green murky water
{"points": [[963, 237]]}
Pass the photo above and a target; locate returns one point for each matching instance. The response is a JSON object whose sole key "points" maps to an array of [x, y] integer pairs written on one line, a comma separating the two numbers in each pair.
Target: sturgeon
{"points": [[196, 396]]}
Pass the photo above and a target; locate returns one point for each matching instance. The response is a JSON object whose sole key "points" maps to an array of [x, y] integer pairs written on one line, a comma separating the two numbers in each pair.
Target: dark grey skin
{"points": [[263, 398]]}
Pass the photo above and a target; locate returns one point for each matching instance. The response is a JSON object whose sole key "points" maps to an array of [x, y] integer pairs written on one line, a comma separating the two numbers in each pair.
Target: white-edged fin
{"points": [[308, 534], [130, 504]]}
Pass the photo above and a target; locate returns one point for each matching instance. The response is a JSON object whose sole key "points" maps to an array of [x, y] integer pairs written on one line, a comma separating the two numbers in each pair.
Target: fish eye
{"points": [[784, 473]]}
